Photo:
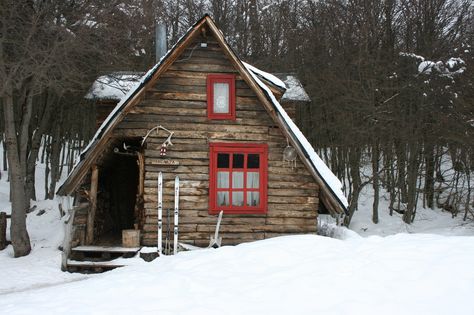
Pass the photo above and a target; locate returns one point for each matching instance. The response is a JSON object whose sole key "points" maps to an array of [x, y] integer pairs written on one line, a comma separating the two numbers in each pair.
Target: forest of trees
{"points": [[391, 83]]}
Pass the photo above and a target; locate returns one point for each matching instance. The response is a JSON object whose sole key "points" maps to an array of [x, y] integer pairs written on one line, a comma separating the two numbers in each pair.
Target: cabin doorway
{"points": [[116, 201]]}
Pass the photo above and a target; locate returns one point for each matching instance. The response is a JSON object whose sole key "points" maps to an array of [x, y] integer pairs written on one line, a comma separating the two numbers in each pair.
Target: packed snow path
{"points": [[400, 274]]}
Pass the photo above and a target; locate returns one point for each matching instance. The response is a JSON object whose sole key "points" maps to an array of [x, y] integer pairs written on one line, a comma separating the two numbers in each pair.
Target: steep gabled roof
{"points": [[332, 195]]}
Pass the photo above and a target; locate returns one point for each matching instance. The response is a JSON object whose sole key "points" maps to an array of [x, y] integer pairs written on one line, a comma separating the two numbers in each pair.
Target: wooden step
{"points": [[92, 266], [101, 264], [106, 249]]}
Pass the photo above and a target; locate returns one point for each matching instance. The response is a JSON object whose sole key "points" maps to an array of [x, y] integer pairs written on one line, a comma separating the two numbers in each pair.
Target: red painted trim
{"points": [[234, 148], [220, 78]]}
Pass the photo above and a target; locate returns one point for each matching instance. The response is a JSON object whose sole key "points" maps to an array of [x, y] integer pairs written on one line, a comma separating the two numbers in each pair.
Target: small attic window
{"points": [[221, 96]]}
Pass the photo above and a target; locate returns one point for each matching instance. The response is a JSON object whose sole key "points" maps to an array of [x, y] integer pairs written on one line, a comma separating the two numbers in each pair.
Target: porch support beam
{"points": [[93, 205]]}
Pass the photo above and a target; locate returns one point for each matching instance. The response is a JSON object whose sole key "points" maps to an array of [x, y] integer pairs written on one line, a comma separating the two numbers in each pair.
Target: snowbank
{"points": [[401, 274], [42, 268]]}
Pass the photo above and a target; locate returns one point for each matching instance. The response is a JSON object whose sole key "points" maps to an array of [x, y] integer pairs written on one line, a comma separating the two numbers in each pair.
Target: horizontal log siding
{"points": [[178, 102]]}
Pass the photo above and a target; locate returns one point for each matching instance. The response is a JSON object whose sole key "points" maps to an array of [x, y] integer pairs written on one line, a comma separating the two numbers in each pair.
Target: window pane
{"points": [[222, 198], [237, 180], [238, 161], [253, 161], [221, 98], [222, 179], [238, 198], [223, 160], [253, 180], [253, 198]]}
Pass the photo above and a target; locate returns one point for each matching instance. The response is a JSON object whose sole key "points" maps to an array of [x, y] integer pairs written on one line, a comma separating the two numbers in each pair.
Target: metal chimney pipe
{"points": [[160, 41]]}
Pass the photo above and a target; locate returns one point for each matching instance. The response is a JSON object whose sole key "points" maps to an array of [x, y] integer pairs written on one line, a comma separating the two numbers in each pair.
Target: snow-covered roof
{"points": [[113, 86], [267, 76], [325, 173], [294, 89]]}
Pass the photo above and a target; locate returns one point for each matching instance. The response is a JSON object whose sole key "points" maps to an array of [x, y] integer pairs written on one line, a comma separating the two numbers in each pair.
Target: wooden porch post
{"points": [[93, 206]]}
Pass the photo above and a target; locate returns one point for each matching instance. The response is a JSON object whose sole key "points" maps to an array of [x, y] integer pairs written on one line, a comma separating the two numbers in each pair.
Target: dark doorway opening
{"points": [[118, 186]]}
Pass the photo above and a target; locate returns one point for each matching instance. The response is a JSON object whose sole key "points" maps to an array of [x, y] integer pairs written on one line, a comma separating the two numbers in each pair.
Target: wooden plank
{"points": [[105, 249], [228, 230], [297, 183], [95, 264], [294, 206], [205, 60], [143, 106], [155, 161], [187, 127], [205, 192], [177, 96], [156, 112], [203, 53], [93, 202], [198, 89], [243, 119], [293, 200], [150, 175], [291, 192], [291, 221], [214, 135], [203, 68], [192, 81]]}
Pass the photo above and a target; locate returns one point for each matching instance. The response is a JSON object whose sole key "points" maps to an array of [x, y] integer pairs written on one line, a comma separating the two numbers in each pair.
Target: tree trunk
{"points": [[47, 147], [429, 179], [45, 121], [5, 163], [3, 230], [375, 183], [401, 163], [20, 203], [354, 161], [54, 161], [31, 173], [412, 175]]}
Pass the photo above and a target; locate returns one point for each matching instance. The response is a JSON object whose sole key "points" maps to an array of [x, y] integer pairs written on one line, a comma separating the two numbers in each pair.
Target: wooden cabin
{"points": [[230, 135]]}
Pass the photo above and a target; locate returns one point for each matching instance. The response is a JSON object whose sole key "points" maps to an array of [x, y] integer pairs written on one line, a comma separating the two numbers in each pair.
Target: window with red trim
{"points": [[238, 178], [221, 96]]}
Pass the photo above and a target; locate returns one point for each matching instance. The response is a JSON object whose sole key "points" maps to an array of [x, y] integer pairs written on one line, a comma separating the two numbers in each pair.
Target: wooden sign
{"points": [[165, 162]]}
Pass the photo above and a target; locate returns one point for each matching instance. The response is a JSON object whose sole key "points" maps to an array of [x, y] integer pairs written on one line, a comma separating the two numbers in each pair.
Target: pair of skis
{"points": [[160, 214]]}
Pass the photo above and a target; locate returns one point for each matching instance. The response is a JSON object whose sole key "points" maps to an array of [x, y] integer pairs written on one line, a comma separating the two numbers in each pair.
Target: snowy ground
{"points": [[399, 274], [426, 220], [402, 272]]}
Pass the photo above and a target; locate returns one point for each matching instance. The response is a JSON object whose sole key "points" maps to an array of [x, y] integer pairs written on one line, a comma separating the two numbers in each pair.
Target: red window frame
{"points": [[220, 78], [238, 148]]}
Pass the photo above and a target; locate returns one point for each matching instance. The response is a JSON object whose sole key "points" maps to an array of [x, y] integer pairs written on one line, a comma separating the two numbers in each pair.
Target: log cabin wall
{"points": [[178, 102], [103, 109], [290, 109]]}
